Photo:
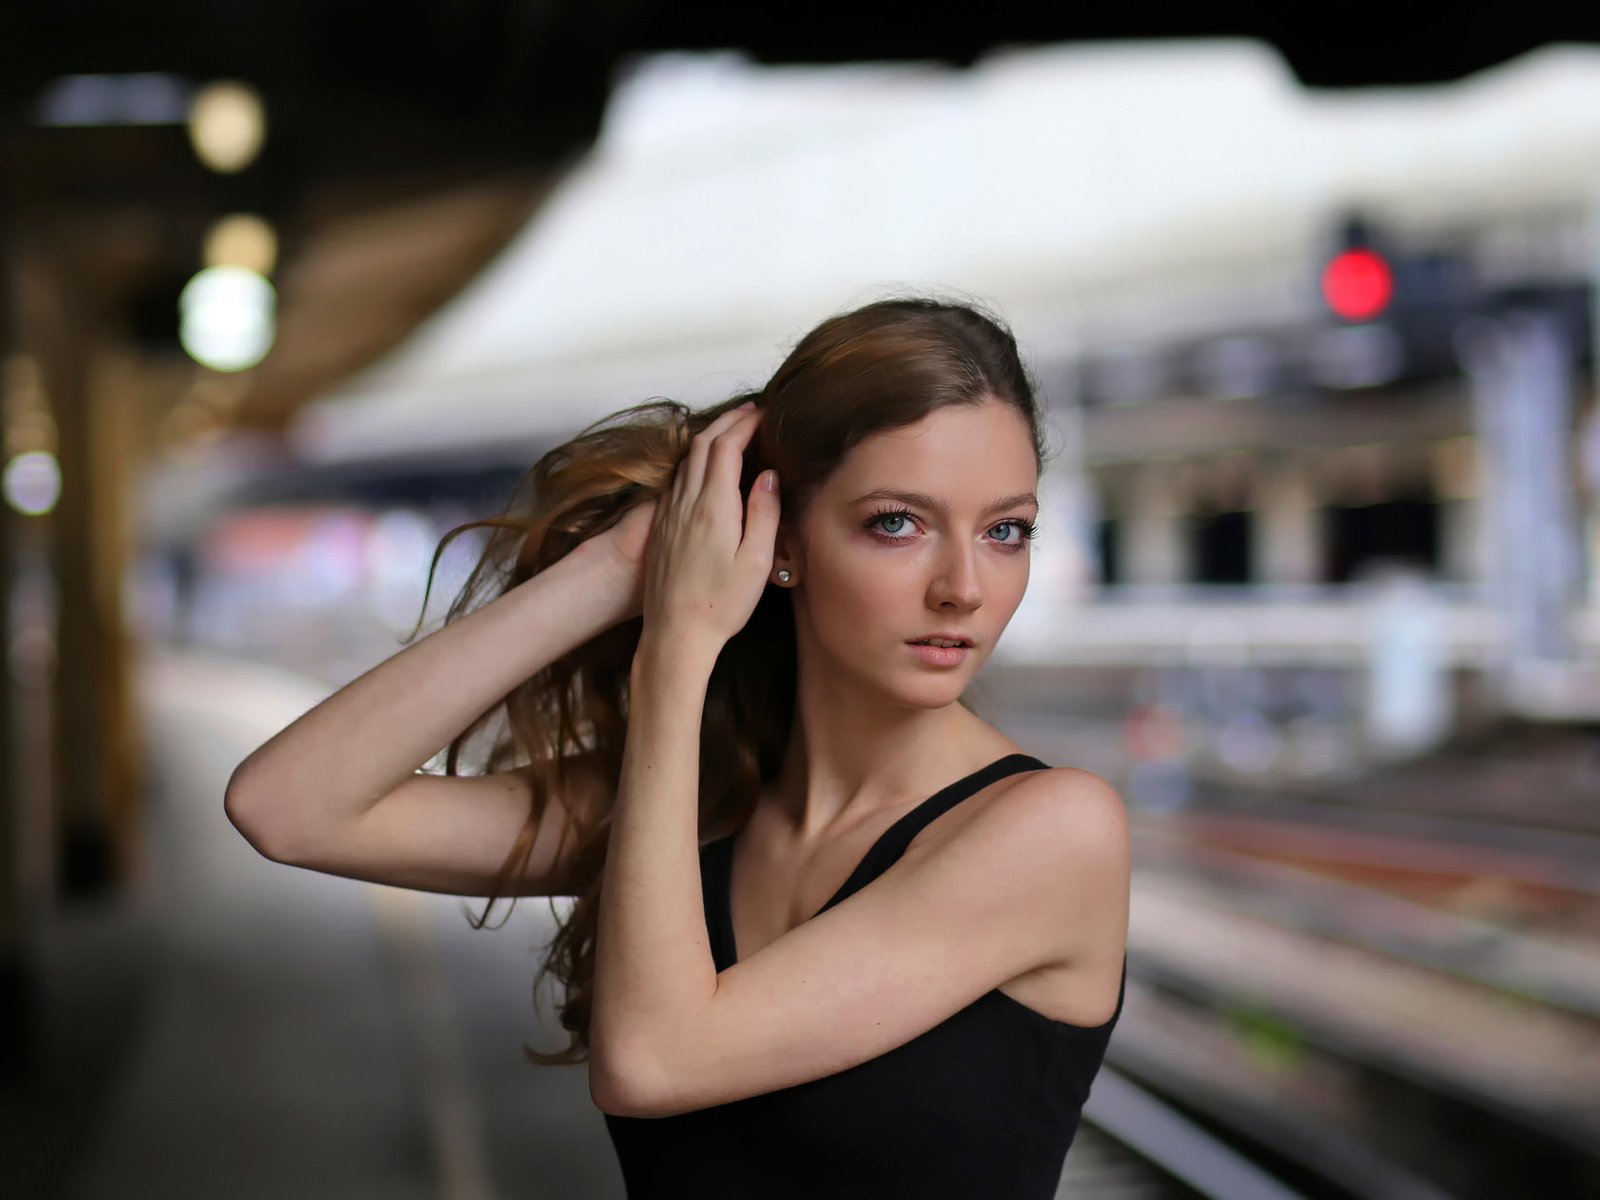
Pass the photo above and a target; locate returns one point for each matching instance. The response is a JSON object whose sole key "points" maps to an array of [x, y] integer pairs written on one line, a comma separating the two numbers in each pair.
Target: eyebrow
{"points": [[923, 500]]}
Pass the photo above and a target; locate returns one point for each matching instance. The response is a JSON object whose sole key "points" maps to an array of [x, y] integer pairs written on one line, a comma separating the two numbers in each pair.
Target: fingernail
{"points": [[769, 481]]}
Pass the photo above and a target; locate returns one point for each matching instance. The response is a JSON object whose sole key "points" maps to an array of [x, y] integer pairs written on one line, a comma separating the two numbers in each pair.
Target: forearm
{"points": [[357, 745], [654, 972]]}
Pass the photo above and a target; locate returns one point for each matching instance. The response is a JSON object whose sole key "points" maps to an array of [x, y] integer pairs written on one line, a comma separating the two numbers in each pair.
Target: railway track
{"points": [[1099, 1167], [1136, 1145], [1188, 1140], [1539, 859], [1397, 1047]]}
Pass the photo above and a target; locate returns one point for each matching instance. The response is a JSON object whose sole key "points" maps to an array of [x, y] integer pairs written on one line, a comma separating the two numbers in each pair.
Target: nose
{"points": [[956, 584]]}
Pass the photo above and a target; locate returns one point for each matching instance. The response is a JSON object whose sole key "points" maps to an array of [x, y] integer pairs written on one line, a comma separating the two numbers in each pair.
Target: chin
{"points": [[932, 691]]}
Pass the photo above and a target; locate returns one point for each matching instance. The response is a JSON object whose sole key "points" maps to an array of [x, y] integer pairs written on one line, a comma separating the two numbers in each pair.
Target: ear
{"points": [[785, 546]]}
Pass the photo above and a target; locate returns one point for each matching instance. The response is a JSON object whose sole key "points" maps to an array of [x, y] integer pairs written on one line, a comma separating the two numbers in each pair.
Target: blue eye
{"points": [[888, 514], [1028, 529]]}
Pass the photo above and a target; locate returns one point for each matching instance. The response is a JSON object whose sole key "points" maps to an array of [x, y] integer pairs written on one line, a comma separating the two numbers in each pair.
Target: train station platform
{"points": [[247, 1029]]}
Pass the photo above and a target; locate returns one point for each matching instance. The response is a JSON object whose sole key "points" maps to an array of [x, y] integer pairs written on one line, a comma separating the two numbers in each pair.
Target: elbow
{"points": [[621, 1088], [611, 1099], [248, 817], [617, 1096]]}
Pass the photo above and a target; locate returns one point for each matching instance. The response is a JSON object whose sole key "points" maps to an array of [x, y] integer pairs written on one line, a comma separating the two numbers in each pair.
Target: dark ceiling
{"points": [[356, 86]]}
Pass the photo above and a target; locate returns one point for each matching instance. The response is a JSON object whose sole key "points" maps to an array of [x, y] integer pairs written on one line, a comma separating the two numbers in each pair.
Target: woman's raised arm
{"points": [[338, 789]]}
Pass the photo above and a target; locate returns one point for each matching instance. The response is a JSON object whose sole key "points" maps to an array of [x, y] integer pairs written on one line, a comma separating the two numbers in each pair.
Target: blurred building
{"points": [[1256, 431]]}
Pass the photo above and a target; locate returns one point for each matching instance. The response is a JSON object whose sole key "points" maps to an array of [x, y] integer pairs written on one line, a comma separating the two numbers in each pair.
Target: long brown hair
{"points": [[882, 366]]}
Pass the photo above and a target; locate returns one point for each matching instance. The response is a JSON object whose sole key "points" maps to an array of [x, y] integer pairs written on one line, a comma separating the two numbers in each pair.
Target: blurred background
{"points": [[288, 290]]}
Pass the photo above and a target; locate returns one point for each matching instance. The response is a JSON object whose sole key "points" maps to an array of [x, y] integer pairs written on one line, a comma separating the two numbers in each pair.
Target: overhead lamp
{"points": [[227, 318], [31, 483], [227, 125]]}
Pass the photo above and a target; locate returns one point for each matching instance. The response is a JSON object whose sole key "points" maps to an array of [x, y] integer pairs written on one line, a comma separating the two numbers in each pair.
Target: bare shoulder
{"points": [[1069, 826], [1071, 803], [1072, 810], [1063, 821], [1083, 819]]}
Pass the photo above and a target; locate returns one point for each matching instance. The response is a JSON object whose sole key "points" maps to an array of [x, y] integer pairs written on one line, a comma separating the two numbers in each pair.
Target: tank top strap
{"points": [[886, 851]]}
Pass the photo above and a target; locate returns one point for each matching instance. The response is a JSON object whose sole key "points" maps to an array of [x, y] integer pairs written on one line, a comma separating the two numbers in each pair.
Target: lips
{"points": [[941, 656]]}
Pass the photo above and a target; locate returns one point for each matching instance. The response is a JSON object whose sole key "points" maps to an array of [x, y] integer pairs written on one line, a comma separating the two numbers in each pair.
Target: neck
{"points": [[850, 756]]}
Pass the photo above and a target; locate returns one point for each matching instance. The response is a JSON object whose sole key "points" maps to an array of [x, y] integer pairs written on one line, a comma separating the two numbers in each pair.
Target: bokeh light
{"points": [[31, 483], [242, 240], [228, 318], [227, 126]]}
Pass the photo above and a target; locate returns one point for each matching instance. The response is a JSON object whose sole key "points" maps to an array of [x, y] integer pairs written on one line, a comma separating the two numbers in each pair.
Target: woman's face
{"points": [[878, 570]]}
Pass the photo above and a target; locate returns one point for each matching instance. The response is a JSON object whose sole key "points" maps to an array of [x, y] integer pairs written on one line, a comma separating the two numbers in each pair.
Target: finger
{"points": [[725, 459], [762, 512], [694, 464]]}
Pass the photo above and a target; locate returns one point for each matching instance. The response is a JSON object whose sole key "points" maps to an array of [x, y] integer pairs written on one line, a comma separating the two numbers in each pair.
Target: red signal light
{"points": [[1357, 284]]}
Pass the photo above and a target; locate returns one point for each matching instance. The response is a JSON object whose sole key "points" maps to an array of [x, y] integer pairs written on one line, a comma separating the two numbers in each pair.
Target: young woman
{"points": [[835, 935]]}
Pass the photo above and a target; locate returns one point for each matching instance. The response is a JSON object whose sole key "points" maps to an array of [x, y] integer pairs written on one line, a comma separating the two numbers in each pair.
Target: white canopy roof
{"points": [[727, 207]]}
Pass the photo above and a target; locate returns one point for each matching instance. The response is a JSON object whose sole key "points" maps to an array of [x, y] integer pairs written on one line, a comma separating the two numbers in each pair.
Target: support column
{"points": [[17, 1015], [1521, 365], [1153, 546], [1288, 531], [1461, 526]]}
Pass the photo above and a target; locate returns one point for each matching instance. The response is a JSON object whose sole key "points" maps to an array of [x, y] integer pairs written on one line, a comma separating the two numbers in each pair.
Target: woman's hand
{"points": [[709, 552]]}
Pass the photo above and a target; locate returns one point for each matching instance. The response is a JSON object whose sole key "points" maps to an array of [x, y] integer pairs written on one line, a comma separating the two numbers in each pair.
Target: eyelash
{"points": [[1029, 529]]}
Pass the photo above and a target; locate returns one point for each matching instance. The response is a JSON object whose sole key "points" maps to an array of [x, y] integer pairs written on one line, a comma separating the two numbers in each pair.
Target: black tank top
{"points": [[984, 1104]]}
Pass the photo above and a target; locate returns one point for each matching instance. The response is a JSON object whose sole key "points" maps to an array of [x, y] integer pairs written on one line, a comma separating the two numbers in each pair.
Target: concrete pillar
{"points": [[1461, 540], [1153, 548], [1589, 459], [1288, 525], [18, 1018], [1454, 476]]}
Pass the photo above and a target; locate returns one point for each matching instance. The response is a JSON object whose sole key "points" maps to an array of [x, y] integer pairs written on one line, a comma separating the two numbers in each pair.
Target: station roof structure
{"points": [[727, 206]]}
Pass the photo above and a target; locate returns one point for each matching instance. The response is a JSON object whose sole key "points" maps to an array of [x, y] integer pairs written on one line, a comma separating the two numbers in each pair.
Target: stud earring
{"points": [[783, 577]]}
